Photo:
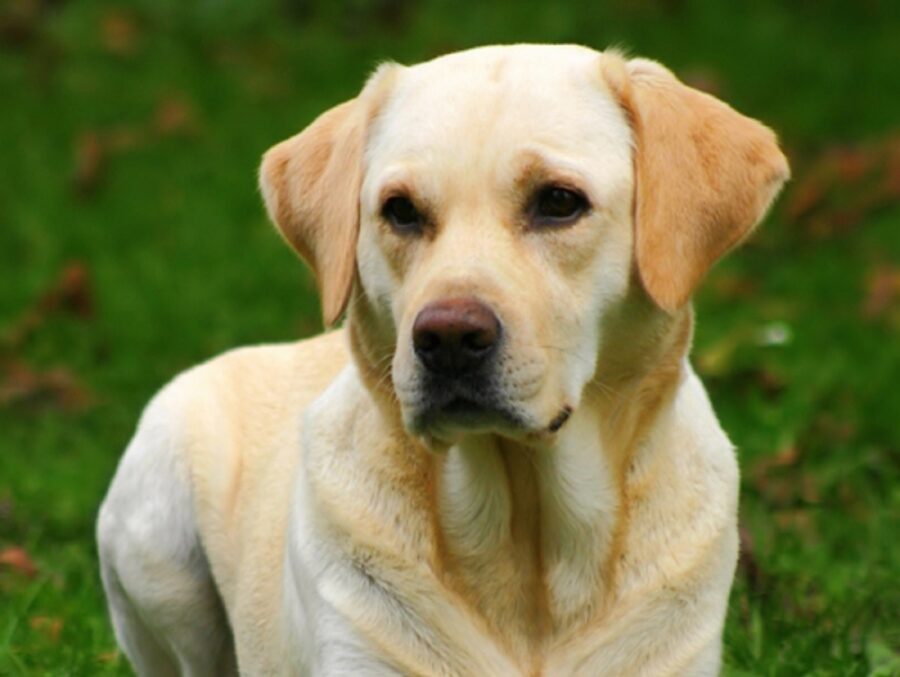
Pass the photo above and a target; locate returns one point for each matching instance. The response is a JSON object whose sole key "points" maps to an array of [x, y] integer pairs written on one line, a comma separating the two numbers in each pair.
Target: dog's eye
{"points": [[402, 214], [554, 205]]}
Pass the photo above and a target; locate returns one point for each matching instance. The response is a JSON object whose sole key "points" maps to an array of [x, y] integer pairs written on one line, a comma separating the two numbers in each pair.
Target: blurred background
{"points": [[133, 245]]}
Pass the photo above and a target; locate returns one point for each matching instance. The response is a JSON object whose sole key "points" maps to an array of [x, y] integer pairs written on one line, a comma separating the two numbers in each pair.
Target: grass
{"points": [[131, 134]]}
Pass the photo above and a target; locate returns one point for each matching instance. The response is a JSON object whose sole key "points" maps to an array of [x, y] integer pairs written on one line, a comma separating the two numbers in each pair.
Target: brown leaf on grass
{"points": [[783, 482], [71, 292], [15, 558], [771, 382], [882, 291], [95, 150], [173, 116], [123, 138], [786, 457], [748, 562], [109, 656], [50, 626], [733, 287], [797, 520], [830, 427], [844, 185], [776, 478], [19, 21], [808, 195], [22, 386], [852, 164], [90, 163], [119, 32]]}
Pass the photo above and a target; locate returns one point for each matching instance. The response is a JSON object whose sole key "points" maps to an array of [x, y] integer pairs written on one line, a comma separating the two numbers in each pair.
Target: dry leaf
{"points": [[844, 185], [19, 21], [798, 520], [770, 382], [748, 562], [173, 116], [882, 291], [786, 457], [852, 164], [108, 656], [90, 161], [123, 138], [71, 292], [20, 385], [51, 626], [777, 479], [18, 560], [94, 149], [118, 31], [733, 287], [807, 196]]}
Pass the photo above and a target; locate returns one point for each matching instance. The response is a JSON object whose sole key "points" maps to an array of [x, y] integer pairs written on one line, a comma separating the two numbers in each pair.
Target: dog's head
{"points": [[492, 212]]}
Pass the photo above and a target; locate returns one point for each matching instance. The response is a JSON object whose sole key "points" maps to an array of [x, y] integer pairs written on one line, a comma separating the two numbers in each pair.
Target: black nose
{"points": [[455, 336]]}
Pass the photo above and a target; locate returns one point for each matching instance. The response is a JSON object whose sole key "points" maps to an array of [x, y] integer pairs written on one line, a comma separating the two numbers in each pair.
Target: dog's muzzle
{"points": [[456, 342]]}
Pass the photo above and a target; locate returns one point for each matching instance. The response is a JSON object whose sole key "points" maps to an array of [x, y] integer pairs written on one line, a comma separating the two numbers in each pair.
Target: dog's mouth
{"points": [[446, 414], [444, 410], [465, 411], [460, 416]]}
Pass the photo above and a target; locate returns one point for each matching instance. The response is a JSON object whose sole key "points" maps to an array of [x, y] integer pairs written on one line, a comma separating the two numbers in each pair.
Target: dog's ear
{"points": [[705, 175], [311, 184]]}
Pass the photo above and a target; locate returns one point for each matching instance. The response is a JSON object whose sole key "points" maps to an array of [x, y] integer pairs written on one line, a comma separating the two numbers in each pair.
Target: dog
{"points": [[504, 463]]}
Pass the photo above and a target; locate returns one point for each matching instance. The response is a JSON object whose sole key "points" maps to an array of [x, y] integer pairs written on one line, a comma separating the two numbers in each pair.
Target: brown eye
{"points": [[400, 212], [555, 205]]}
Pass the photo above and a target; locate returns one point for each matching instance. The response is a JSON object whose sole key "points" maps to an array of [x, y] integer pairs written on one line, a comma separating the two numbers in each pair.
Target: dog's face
{"points": [[495, 230], [499, 206]]}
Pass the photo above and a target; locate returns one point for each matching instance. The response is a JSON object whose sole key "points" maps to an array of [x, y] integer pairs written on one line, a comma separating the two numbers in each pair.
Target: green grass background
{"points": [[130, 134]]}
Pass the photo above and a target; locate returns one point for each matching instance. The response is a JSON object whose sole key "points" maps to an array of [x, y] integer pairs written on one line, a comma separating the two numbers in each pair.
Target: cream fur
{"points": [[278, 512]]}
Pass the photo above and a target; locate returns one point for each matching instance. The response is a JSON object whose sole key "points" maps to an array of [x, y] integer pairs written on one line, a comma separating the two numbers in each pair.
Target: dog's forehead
{"points": [[551, 97]]}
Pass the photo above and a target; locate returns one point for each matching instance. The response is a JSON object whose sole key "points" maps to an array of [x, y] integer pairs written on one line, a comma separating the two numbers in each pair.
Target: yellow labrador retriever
{"points": [[504, 464]]}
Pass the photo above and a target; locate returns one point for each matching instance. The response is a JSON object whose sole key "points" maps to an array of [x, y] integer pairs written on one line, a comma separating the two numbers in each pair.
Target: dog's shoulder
{"points": [[234, 424], [254, 388]]}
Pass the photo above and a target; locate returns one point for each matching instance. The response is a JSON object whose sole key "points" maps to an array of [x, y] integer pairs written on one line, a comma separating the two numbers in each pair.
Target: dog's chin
{"points": [[440, 428], [445, 424]]}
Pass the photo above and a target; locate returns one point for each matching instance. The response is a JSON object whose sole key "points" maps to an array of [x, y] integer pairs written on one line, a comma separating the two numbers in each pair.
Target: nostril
{"points": [[477, 341], [426, 341]]}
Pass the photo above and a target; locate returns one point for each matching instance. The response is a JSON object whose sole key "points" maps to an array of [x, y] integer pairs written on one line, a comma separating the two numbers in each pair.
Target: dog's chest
{"points": [[483, 562]]}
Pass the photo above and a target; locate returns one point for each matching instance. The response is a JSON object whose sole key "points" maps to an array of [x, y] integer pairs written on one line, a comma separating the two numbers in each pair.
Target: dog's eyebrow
{"points": [[537, 167], [394, 188]]}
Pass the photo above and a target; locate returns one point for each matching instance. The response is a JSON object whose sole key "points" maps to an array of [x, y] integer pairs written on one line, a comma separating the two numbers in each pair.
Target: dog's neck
{"points": [[532, 531], [526, 531], [529, 531]]}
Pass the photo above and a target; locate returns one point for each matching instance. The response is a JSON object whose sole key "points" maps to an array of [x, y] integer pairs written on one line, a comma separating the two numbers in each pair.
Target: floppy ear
{"points": [[705, 175], [310, 184]]}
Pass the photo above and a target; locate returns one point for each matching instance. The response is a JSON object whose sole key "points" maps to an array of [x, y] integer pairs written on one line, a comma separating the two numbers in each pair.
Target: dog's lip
{"points": [[460, 413], [462, 405], [461, 408], [560, 419]]}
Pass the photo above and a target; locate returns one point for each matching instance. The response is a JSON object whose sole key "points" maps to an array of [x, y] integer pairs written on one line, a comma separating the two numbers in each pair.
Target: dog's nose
{"points": [[455, 336]]}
